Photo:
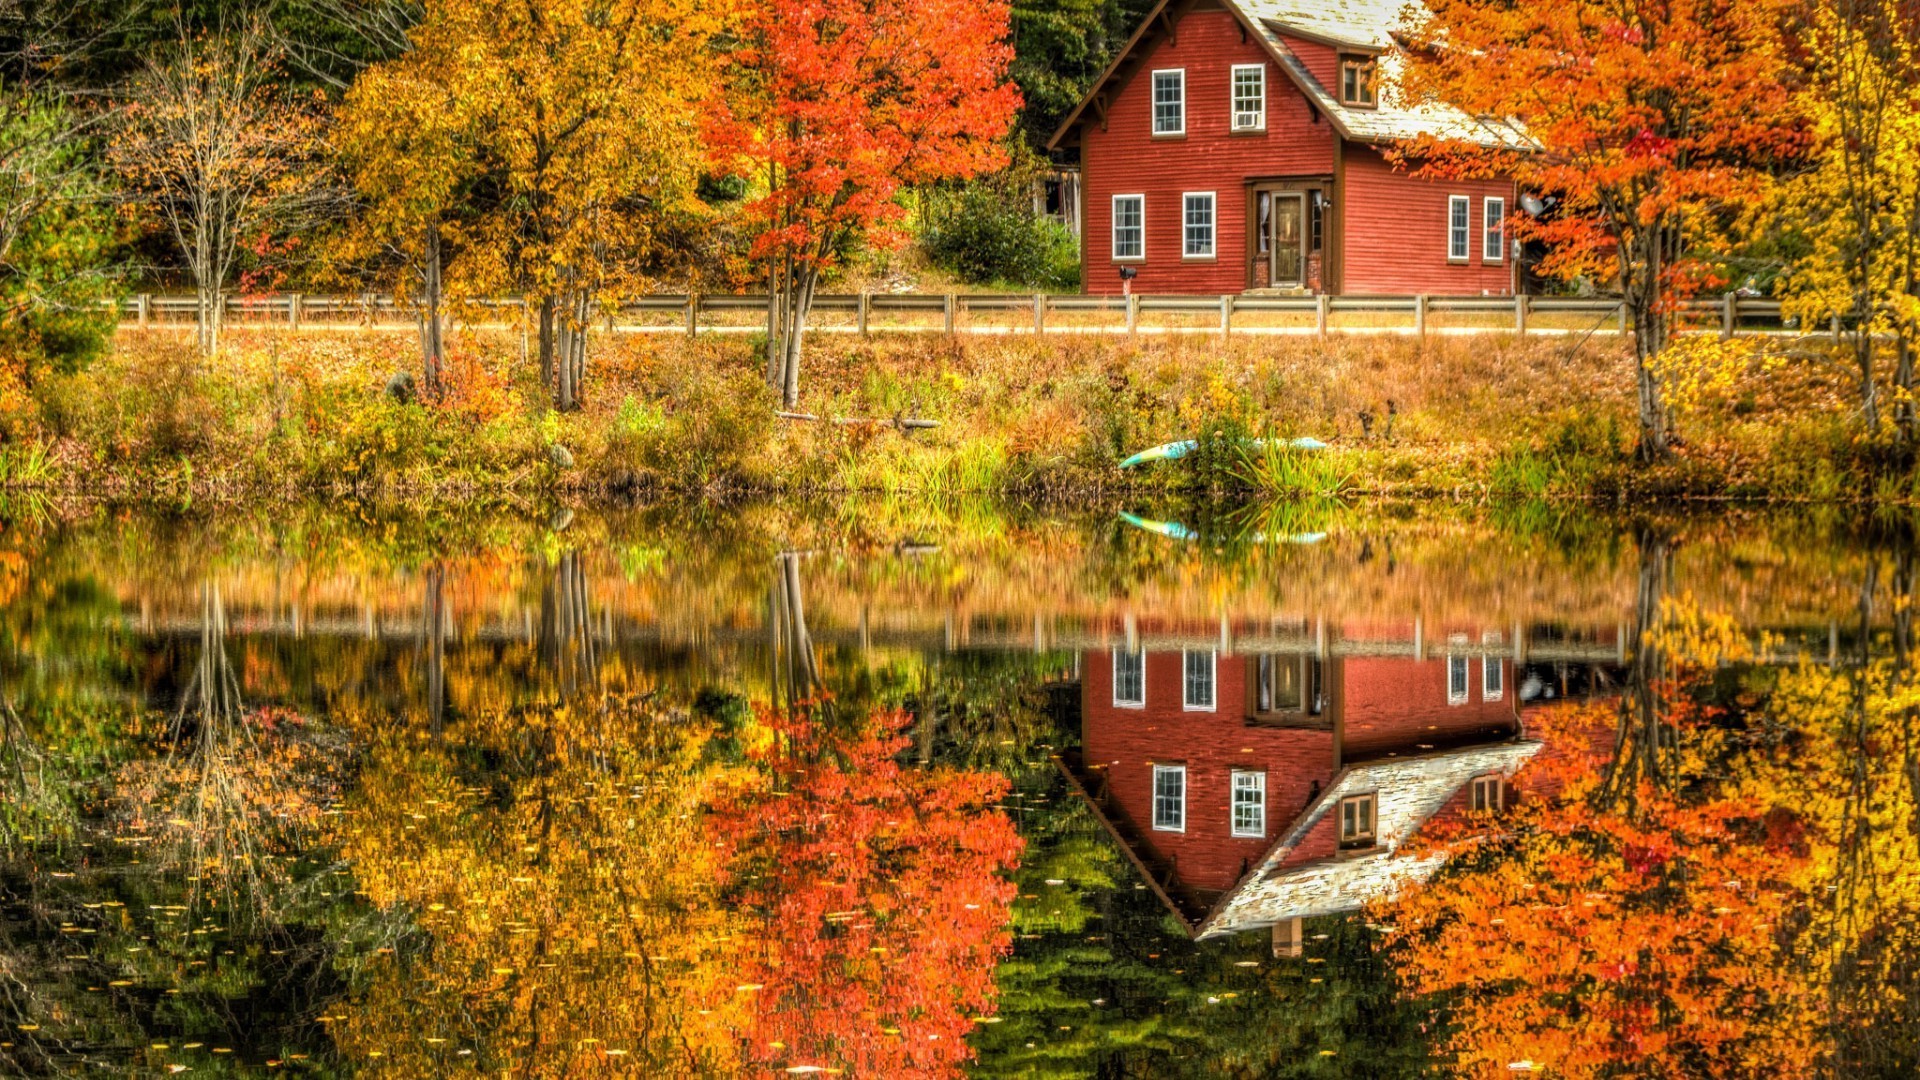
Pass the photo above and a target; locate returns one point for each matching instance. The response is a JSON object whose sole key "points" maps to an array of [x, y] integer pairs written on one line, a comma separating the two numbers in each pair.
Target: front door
{"points": [[1287, 256]]}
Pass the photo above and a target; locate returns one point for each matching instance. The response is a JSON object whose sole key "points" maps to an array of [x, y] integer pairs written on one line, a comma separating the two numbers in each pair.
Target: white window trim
{"points": [[1153, 809], [1213, 225], [1460, 696], [1233, 100], [1115, 679], [1492, 664], [1493, 244], [1466, 248], [1153, 103], [1499, 783], [1113, 230], [1213, 660], [1233, 790]]}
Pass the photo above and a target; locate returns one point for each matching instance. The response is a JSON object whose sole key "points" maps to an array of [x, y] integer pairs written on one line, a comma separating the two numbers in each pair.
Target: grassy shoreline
{"points": [[1490, 417]]}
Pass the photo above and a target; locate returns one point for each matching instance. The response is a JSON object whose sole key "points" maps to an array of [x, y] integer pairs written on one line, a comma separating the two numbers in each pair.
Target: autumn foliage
{"points": [[879, 900]]}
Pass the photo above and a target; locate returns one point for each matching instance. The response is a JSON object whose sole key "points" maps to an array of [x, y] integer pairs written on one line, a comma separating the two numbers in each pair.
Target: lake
{"points": [[888, 789]]}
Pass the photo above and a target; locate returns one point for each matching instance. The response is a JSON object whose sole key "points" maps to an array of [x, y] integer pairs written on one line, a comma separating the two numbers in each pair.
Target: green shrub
{"points": [[990, 235]]}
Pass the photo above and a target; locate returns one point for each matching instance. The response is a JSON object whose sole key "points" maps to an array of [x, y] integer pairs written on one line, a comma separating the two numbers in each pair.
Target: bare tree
{"points": [[226, 158]]}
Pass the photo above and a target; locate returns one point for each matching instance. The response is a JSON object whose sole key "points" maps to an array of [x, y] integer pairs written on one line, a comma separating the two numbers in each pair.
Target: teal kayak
{"points": [[1173, 530], [1174, 451]]}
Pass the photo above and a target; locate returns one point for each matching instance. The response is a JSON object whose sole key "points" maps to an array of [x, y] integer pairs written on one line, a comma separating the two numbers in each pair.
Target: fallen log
{"points": [[902, 423]]}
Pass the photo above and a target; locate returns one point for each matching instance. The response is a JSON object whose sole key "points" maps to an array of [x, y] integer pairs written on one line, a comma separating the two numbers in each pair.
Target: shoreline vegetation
{"points": [[1489, 418]]}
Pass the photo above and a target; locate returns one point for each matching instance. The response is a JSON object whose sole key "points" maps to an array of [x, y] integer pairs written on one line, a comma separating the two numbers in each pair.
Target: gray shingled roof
{"points": [[1367, 24], [1409, 791]]}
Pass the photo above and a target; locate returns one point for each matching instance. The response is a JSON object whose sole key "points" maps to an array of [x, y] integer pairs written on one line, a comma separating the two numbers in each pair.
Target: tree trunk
{"points": [[791, 302], [546, 342], [432, 323], [1903, 413], [212, 311], [1641, 293]]}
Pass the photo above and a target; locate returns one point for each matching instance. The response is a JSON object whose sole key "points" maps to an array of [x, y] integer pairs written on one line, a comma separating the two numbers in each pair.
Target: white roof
{"points": [[1408, 791], [1364, 23]]}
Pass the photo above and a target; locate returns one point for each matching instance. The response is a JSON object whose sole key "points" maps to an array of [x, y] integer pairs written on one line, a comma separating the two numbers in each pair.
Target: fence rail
{"points": [[993, 313]]}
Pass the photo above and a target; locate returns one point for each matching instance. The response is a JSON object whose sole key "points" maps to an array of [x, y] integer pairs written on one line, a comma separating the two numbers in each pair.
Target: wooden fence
{"points": [[994, 313]]}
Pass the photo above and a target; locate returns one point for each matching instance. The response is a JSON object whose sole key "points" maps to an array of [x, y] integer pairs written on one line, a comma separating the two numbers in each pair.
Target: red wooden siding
{"points": [[1396, 230], [1129, 742], [1392, 704], [1321, 59], [1126, 159]]}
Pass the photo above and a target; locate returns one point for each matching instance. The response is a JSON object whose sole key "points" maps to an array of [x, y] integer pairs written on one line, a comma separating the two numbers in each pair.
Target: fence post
{"points": [[1836, 328], [1420, 316], [293, 311], [1623, 316], [865, 312], [1226, 314], [693, 314], [1520, 314], [1039, 313], [1729, 315], [1321, 305], [1133, 314], [145, 308], [948, 306]]}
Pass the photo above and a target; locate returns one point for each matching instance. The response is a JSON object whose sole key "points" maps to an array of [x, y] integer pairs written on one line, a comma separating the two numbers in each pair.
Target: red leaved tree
{"points": [[880, 895], [836, 104], [1650, 120]]}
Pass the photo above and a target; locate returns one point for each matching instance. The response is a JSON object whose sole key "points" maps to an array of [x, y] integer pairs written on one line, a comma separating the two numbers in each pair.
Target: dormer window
{"points": [[1356, 822], [1359, 81], [1489, 794]]}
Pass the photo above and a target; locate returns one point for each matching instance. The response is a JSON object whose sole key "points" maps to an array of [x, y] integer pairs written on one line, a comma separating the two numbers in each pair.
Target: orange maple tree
{"points": [[880, 896], [1643, 121], [834, 106], [1587, 940]]}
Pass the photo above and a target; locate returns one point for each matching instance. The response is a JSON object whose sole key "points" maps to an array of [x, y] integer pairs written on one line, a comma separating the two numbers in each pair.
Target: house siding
{"points": [[1377, 202], [1128, 742], [1396, 704], [1125, 158]]}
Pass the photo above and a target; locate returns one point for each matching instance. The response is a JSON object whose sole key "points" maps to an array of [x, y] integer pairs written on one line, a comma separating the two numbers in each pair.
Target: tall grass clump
{"points": [[1274, 469]]}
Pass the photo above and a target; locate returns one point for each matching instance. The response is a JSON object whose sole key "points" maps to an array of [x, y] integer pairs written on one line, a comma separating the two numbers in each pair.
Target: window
{"points": [[1456, 680], [1170, 102], [1358, 81], [1356, 821], [1249, 97], [1493, 679], [1249, 803], [1459, 227], [1199, 682], [1129, 226], [1493, 236], [1199, 226], [1170, 798], [1489, 793], [1129, 679]]}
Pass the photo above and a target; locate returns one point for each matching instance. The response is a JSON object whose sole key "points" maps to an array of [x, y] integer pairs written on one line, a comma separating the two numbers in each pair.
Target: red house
{"points": [[1254, 790], [1237, 145]]}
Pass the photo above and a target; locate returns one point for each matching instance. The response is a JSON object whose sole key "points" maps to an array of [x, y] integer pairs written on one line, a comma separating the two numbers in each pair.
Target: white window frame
{"points": [[1498, 786], [1213, 681], [1369, 838], [1169, 770], [1129, 703], [1186, 226], [1113, 227], [1256, 785], [1458, 663], [1459, 237], [1154, 100], [1259, 122], [1493, 679], [1493, 229]]}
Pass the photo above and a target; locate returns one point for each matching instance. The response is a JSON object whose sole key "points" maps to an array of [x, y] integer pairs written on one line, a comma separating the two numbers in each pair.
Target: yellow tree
{"points": [[581, 119], [1858, 208], [569, 908]]}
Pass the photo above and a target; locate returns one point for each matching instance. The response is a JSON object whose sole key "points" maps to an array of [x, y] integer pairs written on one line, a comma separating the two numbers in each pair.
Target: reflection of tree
{"points": [[553, 861], [567, 644], [234, 789], [1643, 741], [876, 898]]}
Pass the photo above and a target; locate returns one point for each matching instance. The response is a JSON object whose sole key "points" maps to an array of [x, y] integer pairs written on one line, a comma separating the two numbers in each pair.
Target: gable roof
{"points": [[1409, 791], [1355, 25]]}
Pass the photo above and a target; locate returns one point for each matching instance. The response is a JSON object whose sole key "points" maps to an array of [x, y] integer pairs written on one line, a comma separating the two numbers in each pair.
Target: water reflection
{"points": [[917, 796]]}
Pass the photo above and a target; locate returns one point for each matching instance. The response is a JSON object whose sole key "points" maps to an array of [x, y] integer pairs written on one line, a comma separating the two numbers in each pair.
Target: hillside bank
{"points": [[1481, 417]]}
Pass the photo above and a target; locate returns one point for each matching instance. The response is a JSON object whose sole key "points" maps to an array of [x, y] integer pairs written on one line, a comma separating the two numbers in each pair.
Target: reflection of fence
{"points": [[998, 313]]}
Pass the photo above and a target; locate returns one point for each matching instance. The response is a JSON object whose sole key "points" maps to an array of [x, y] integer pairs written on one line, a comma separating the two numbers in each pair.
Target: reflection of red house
{"points": [[1227, 776]]}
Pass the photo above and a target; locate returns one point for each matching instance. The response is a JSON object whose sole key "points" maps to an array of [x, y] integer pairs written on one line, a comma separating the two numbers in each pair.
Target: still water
{"points": [[883, 790]]}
